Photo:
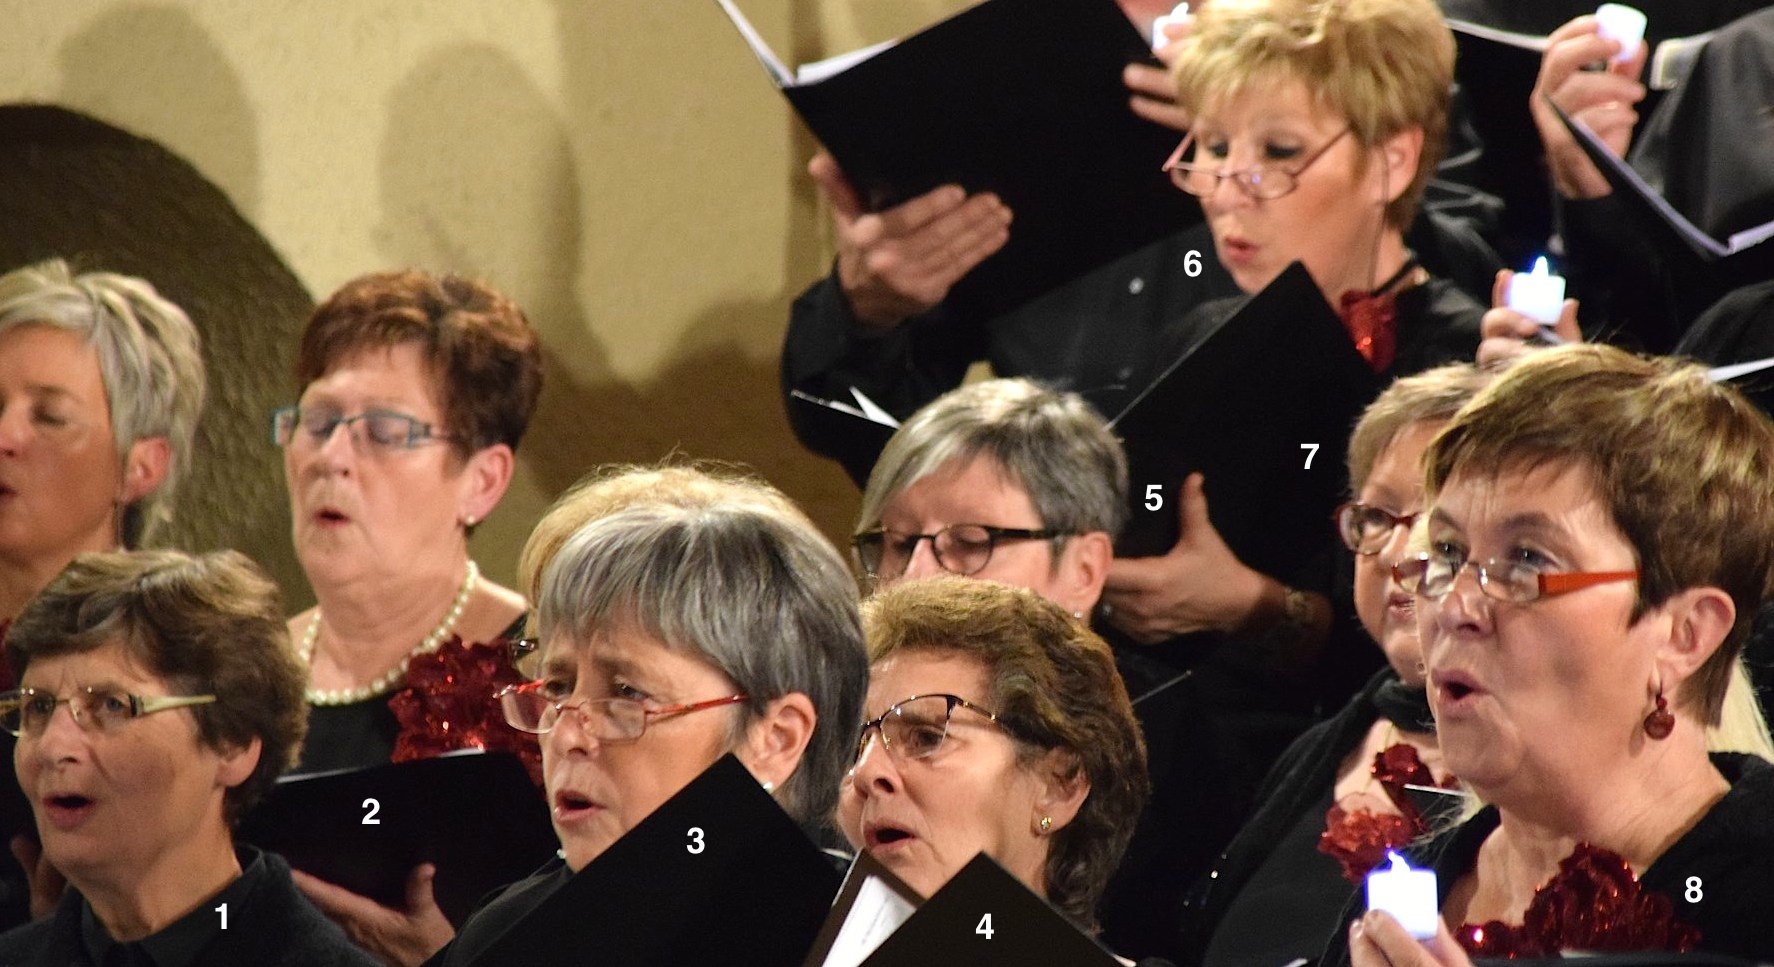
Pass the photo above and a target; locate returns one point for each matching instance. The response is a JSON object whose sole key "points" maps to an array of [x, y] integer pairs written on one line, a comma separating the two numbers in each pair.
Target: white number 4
{"points": [[1312, 451], [985, 927]]}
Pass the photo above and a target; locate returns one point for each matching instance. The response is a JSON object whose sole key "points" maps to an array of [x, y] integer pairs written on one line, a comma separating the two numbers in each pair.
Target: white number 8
{"points": [[1693, 893]]}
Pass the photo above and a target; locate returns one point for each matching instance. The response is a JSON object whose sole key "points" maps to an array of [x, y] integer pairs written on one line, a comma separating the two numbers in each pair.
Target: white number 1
{"points": [[1312, 449], [223, 910]]}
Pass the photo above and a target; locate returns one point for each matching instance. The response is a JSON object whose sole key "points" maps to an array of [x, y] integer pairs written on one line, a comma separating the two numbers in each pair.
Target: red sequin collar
{"points": [[1593, 904], [448, 704], [1358, 839]]}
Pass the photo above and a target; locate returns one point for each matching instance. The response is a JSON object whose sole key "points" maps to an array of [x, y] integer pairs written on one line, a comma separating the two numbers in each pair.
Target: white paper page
{"points": [[872, 409], [1524, 41], [819, 70], [1719, 374], [877, 912], [765, 55]]}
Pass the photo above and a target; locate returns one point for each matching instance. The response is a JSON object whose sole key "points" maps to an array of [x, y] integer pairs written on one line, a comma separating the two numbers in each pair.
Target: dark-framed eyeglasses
{"points": [[1266, 181], [525, 655], [27, 711], [962, 549], [528, 709], [383, 429], [1518, 582], [1365, 529], [916, 727]]}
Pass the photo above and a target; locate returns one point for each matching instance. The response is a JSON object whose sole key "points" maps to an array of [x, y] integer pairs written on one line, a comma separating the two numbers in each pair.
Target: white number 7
{"points": [[1312, 449]]}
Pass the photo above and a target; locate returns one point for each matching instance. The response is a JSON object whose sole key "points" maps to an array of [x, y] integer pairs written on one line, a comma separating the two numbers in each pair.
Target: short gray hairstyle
{"points": [[756, 592], [1050, 443], [150, 358]]}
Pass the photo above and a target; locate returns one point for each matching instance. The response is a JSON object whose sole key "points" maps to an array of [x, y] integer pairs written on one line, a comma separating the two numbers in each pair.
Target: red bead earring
{"points": [[1661, 721]]}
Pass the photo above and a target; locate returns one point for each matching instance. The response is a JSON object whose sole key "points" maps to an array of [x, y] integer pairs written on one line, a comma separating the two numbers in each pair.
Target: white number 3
{"points": [[1693, 893], [985, 927], [695, 835]]}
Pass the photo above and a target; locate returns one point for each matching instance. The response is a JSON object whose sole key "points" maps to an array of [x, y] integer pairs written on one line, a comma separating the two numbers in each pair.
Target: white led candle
{"points": [[1178, 14], [1618, 21], [1539, 295], [1409, 895]]}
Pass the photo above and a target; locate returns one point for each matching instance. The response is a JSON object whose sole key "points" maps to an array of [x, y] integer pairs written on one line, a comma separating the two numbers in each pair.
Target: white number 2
{"points": [[985, 927], [374, 807], [1312, 451], [696, 845]]}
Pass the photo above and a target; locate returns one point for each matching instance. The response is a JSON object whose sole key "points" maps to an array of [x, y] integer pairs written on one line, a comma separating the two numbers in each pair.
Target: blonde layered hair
{"points": [[1386, 66]]}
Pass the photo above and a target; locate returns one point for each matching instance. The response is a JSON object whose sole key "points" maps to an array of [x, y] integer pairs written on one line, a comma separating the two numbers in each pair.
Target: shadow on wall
{"points": [[105, 199], [133, 61], [476, 177], [716, 394]]}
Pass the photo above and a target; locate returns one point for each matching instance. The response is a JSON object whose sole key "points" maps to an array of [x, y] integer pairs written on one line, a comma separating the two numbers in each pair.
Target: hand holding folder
{"points": [[902, 262], [1022, 99]]}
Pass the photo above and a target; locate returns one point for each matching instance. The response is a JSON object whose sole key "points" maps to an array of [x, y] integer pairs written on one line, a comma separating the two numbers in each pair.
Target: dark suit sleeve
{"points": [[827, 352]]}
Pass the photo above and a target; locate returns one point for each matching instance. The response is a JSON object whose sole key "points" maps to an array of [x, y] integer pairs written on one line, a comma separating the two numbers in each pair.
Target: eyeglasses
{"points": [[28, 710], [384, 429], [1264, 182], [527, 709], [1365, 529], [962, 549], [915, 728], [525, 655], [1433, 576]]}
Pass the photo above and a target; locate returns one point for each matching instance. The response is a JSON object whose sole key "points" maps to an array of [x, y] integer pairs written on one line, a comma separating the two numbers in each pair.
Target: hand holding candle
{"points": [[1409, 895], [1540, 296]]}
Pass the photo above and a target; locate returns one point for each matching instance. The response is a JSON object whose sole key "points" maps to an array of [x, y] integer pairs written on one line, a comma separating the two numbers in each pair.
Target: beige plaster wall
{"points": [[621, 167]]}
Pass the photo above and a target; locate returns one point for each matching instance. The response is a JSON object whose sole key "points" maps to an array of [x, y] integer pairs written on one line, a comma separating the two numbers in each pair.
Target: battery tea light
{"points": [[1408, 894], [1617, 21], [1539, 294]]}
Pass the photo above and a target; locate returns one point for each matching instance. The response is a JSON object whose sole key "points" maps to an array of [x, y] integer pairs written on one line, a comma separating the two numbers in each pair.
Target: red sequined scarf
{"points": [[448, 705], [1359, 838], [1593, 904], [1372, 317]]}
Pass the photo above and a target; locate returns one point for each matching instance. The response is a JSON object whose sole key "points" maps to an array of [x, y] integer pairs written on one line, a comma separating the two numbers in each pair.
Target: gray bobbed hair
{"points": [[758, 594]]}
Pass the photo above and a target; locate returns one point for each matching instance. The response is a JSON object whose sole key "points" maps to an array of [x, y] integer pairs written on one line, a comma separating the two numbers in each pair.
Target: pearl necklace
{"points": [[389, 678]]}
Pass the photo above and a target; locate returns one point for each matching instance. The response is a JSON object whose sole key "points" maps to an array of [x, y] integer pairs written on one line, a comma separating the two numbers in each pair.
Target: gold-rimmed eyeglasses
{"points": [[27, 711], [1265, 181], [528, 709]]}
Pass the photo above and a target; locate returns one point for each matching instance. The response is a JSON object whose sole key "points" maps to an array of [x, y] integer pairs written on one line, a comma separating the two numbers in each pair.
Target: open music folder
{"points": [[1019, 97]]}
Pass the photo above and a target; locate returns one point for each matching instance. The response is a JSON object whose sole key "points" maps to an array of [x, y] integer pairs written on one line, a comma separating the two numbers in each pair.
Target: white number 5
{"points": [[1154, 496]]}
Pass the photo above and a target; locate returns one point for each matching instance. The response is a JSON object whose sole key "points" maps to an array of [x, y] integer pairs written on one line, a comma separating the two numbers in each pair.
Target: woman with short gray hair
{"points": [[988, 474], [674, 634], [101, 387]]}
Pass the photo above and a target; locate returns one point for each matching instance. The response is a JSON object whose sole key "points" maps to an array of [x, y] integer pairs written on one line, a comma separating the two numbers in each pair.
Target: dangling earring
{"points": [[1661, 721], [1046, 823]]}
